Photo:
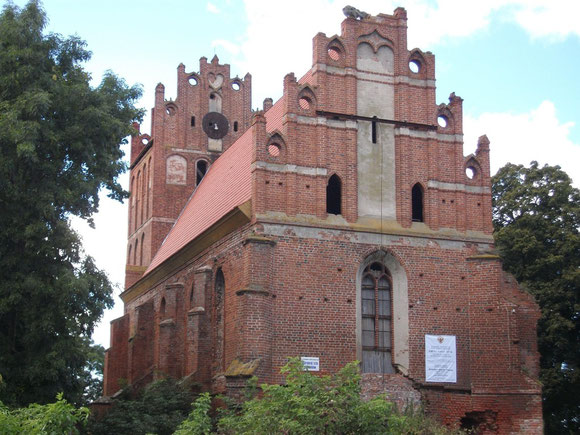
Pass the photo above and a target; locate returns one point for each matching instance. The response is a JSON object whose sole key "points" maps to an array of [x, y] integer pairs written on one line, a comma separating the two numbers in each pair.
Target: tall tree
{"points": [[59, 146], [537, 231]]}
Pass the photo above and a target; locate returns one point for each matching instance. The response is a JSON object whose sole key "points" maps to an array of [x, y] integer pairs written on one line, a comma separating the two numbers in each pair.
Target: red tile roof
{"points": [[274, 115], [226, 185]]}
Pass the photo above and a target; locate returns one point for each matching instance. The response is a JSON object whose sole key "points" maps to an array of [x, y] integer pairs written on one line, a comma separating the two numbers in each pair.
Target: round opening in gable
{"points": [[274, 149], [470, 172], [236, 86], [442, 121], [170, 110], [144, 141], [304, 103], [415, 66], [334, 53], [192, 80]]}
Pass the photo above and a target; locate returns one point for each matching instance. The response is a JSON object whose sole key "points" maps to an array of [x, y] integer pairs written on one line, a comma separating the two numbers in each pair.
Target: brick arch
{"points": [[472, 162], [400, 298], [443, 110], [336, 44], [310, 96]]}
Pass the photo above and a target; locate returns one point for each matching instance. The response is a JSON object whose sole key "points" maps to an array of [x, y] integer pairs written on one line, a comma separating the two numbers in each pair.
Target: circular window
{"points": [[470, 172], [415, 66], [304, 103], [144, 141], [170, 110], [192, 80], [274, 149], [442, 121], [236, 86], [334, 53]]}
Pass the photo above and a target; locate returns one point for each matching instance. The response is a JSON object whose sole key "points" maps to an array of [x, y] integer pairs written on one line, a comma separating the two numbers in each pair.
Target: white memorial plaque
{"points": [[440, 358], [311, 363]]}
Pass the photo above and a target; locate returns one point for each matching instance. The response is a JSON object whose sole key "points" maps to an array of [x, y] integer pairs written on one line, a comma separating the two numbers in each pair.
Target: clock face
{"points": [[215, 125]]}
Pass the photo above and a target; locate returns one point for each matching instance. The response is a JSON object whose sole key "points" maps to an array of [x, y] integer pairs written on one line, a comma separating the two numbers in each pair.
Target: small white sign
{"points": [[440, 358], [311, 363]]}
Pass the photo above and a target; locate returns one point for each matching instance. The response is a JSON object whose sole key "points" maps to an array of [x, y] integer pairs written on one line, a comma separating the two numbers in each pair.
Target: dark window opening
{"points": [[417, 203], [333, 195], [376, 312], [235, 125], [162, 309], [193, 121], [201, 169], [480, 422], [374, 130]]}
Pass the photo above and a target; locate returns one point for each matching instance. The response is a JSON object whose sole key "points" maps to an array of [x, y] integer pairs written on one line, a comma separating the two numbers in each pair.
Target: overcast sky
{"points": [[515, 63]]}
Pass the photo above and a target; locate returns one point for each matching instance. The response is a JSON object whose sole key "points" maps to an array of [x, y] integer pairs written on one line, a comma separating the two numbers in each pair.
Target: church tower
{"points": [[211, 111]]}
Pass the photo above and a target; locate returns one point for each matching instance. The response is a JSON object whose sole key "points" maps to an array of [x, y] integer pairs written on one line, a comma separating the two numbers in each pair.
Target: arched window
{"points": [[141, 261], [162, 309], [333, 195], [200, 170], [376, 314], [135, 253], [417, 203], [219, 296], [143, 194], [129, 255]]}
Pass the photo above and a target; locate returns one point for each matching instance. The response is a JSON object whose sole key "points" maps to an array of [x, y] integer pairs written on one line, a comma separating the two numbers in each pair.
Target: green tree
{"points": [[536, 215], [59, 417], [59, 146], [159, 408]]}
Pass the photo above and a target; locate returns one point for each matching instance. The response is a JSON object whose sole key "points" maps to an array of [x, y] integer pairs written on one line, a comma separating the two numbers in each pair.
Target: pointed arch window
{"points": [[135, 252], [219, 299], [417, 203], [200, 170], [162, 309], [334, 195], [141, 261], [376, 307]]}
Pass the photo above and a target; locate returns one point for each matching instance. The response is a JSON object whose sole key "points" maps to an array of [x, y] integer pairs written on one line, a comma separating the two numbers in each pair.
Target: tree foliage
{"points": [[537, 223], [59, 417], [309, 404], [59, 146], [159, 409]]}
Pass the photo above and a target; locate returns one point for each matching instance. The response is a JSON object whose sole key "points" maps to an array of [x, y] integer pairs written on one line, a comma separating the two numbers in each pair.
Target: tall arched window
{"points": [[141, 261], [200, 170], [162, 309], [138, 217], [376, 314], [143, 193], [135, 253], [417, 203], [219, 299], [129, 255], [333, 195]]}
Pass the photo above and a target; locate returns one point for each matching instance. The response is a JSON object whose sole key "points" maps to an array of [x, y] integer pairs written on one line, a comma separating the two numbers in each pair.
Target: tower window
{"points": [[374, 130], [333, 195], [235, 125], [200, 170], [417, 203], [193, 121]]}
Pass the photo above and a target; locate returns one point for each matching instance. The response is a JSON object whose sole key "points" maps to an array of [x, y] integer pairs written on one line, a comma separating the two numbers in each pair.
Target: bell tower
{"points": [[211, 111]]}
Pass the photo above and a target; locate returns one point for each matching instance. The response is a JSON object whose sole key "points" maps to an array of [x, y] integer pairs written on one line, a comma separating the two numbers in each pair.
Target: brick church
{"points": [[340, 223]]}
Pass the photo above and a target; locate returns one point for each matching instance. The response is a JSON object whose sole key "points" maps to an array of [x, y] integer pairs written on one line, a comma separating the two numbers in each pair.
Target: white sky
{"points": [[515, 63]]}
